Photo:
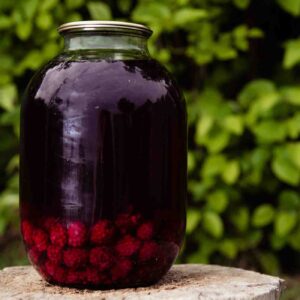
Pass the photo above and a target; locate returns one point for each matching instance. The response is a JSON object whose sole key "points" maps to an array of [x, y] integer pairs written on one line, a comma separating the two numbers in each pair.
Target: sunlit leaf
{"points": [[212, 223], [263, 215], [99, 10], [285, 221]]}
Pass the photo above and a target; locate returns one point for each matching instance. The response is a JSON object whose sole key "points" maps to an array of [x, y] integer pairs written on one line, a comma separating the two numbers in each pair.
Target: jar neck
{"points": [[107, 45]]}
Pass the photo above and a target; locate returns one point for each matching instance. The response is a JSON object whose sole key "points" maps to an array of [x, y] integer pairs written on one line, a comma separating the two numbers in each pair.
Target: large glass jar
{"points": [[103, 161]]}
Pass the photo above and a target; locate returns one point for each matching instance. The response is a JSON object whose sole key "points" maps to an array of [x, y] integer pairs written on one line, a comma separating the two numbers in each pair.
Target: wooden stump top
{"points": [[186, 282]]}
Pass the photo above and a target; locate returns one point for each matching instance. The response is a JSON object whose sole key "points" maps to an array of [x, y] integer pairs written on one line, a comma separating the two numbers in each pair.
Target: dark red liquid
{"points": [[103, 141]]}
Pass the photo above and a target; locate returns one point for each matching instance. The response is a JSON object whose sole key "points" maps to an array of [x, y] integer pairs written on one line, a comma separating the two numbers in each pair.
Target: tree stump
{"points": [[186, 282]]}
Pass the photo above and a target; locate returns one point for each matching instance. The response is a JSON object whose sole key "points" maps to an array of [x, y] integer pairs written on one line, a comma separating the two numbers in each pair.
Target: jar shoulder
{"points": [[102, 83]]}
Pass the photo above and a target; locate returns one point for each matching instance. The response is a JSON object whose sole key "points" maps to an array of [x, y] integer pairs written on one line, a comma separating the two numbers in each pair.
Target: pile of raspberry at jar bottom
{"points": [[127, 251]]}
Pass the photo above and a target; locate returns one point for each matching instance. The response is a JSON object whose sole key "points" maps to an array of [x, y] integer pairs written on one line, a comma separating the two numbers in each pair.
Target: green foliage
{"points": [[291, 6], [244, 123], [291, 55], [263, 215]]}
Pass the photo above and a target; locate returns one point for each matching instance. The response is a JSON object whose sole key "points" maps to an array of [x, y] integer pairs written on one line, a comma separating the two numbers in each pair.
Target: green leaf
{"points": [[269, 132], [50, 50], [213, 104], [213, 165], [277, 242], [294, 239], [216, 140], [240, 35], [241, 4], [152, 12], [234, 124], [291, 53], [200, 188], [240, 218], [263, 215], [99, 11], [13, 164], [269, 263], [205, 249], [71, 4], [213, 224], [29, 8], [293, 153], [224, 52], [124, 5], [9, 199], [74, 17], [263, 104], [5, 22], [291, 94], [285, 170], [10, 117], [47, 4], [32, 60], [293, 126], [217, 201], [187, 15], [228, 248], [203, 127], [231, 172], [289, 199], [44, 21], [23, 30], [259, 157], [191, 161], [285, 221], [255, 33], [254, 90], [291, 6], [193, 219], [8, 96]]}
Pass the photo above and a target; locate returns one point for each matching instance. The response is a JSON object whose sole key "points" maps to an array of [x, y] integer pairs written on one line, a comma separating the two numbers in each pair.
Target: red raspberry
{"points": [[128, 246], [42, 270], [126, 222], [75, 277], [54, 254], [145, 231], [34, 255], [102, 232], [27, 232], [94, 277], [40, 239], [77, 234], [59, 274], [74, 258], [49, 268], [121, 269], [101, 258], [148, 251], [48, 223], [58, 235]]}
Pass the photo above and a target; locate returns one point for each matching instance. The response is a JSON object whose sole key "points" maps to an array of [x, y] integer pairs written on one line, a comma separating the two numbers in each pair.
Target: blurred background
{"points": [[237, 62]]}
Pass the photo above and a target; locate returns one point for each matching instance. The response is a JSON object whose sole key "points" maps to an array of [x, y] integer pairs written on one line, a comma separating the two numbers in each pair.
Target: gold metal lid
{"points": [[112, 26]]}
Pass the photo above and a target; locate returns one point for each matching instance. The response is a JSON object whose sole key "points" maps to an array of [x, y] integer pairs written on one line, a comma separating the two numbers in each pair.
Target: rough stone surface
{"points": [[186, 282]]}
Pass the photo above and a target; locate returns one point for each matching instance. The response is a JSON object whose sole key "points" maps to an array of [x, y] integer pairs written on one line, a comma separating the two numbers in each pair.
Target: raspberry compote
{"points": [[103, 170]]}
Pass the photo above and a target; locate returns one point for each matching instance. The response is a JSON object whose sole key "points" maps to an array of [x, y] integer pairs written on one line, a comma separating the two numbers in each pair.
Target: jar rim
{"points": [[98, 26]]}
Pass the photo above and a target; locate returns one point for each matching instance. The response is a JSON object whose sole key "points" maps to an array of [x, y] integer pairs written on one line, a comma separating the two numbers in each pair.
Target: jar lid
{"points": [[110, 26]]}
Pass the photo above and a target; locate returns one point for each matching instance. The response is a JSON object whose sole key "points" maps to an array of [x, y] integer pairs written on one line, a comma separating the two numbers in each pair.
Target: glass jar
{"points": [[103, 161]]}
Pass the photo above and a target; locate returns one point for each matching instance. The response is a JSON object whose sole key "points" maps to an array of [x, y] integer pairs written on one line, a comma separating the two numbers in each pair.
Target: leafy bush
{"points": [[236, 61]]}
